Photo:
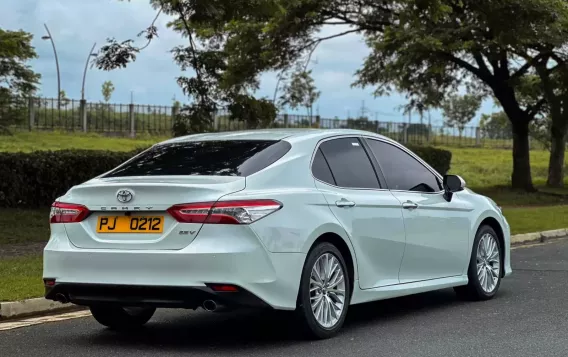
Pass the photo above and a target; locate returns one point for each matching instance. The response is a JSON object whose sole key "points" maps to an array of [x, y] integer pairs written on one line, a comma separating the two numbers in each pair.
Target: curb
{"points": [[539, 237], [39, 306], [33, 307]]}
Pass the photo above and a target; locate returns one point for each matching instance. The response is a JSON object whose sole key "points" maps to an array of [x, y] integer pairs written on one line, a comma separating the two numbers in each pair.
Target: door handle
{"points": [[344, 203], [409, 205]]}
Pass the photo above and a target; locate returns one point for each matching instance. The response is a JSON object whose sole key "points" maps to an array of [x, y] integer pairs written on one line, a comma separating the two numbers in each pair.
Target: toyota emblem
{"points": [[124, 195]]}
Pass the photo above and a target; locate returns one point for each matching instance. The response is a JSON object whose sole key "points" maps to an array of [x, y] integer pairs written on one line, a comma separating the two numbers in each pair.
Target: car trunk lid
{"points": [[131, 213]]}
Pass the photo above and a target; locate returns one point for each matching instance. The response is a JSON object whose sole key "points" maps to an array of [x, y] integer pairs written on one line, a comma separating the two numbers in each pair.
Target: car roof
{"points": [[272, 134]]}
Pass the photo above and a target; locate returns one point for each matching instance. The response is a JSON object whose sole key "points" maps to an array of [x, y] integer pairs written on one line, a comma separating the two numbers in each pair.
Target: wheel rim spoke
{"points": [[488, 262], [327, 290]]}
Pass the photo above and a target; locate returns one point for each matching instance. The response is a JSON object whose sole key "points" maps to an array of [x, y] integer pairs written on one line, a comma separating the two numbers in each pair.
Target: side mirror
{"points": [[452, 184]]}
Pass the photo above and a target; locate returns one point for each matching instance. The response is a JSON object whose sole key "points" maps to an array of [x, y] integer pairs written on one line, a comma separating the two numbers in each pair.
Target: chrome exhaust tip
{"points": [[209, 305], [61, 298]]}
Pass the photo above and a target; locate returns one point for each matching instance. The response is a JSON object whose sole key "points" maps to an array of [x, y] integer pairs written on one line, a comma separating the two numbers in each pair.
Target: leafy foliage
{"points": [[424, 48], [300, 91], [460, 110], [36, 179], [496, 126], [107, 89], [17, 79], [439, 159], [256, 113]]}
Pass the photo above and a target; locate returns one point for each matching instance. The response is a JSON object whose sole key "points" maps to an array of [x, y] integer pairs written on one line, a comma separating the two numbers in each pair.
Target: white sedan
{"points": [[310, 221]]}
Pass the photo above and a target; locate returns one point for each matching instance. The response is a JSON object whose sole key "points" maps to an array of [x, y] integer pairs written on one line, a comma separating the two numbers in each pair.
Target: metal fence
{"points": [[44, 114]]}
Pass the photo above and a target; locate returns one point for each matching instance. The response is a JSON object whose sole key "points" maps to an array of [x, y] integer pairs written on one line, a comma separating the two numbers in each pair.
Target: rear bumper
{"points": [[170, 277], [155, 296]]}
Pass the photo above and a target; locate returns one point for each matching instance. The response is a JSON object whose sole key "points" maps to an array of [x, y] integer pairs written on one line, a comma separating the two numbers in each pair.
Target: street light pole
{"points": [[91, 54], [49, 37]]}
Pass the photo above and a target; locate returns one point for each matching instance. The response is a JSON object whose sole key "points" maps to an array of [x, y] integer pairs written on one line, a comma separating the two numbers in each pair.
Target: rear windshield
{"points": [[210, 158]]}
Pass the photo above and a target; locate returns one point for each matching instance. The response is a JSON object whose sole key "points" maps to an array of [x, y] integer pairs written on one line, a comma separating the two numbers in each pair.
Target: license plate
{"points": [[130, 224]]}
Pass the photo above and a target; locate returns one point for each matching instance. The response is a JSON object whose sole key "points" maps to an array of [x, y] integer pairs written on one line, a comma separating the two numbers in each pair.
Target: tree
{"points": [[63, 100], [17, 79], [554, 82], [300, 91], [424, 48], [107, 89], [460, 110], [496, 126], [212, 85]]}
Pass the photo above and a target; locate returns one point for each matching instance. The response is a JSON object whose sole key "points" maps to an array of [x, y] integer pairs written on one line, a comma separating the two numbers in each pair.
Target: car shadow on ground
{"points": [[201, 331]]}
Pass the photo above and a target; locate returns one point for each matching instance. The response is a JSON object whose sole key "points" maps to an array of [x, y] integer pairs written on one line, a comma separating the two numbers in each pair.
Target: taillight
{"points": [[227, 212], [67, 213]]}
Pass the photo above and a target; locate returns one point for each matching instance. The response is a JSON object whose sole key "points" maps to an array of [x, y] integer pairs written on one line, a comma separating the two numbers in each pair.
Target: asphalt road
{"points": [[529, 317]]}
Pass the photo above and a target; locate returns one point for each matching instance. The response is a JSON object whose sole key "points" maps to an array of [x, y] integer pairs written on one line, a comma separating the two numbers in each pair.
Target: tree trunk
{"points": [[521, 177], [557, 152]]}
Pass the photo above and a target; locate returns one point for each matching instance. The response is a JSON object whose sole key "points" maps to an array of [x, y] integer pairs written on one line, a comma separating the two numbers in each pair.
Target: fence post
{"points": [[477, 136], [83, 114], [429, 134], [285, 120], [405, 133], [318, 121], [132, 121], [175, 113], [31, 112]]}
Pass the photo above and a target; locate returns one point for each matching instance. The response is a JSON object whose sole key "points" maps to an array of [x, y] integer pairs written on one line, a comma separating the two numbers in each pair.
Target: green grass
{"points": [[31, 141], [20, 226], [536, 219], [492, 167], [21, 278], [506, 197]]}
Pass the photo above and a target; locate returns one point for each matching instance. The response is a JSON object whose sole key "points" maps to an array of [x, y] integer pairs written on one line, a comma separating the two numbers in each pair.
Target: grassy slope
{"points": [[20, 278], [26, 141], [493, 167]]}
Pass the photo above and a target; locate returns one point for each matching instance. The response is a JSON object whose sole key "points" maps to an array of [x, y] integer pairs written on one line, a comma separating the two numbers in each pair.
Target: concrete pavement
{"points": [[529, 317]]}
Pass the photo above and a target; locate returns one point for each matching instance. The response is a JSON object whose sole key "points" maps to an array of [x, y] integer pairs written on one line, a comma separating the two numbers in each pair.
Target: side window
{"points": [[321, 169], [402, 171], [349, 163]]}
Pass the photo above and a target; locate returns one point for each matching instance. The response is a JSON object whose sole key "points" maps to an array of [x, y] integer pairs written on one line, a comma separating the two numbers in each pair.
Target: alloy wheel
{"points": [[327, 290], [488, 263]]}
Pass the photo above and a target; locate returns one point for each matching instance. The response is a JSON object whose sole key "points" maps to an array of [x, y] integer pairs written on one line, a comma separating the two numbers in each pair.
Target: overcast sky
{"points": [[77, 24]]}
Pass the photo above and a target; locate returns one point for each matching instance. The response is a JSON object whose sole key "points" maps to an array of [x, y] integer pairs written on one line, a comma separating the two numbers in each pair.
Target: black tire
{"points": [[119, 318], [312, 328], [473, 291]]}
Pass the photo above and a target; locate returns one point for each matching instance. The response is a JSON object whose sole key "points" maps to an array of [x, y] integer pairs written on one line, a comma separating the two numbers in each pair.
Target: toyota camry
{"points": [[311, 221]]}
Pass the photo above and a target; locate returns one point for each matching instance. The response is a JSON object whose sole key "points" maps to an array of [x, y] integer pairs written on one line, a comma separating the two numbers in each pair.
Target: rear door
{"points": [[370, 214], [131, 206], [437, 231]]}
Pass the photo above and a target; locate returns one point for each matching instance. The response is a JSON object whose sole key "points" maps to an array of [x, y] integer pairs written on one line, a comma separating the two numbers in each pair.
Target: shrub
{"points": [[437, 158], [36, 179]]}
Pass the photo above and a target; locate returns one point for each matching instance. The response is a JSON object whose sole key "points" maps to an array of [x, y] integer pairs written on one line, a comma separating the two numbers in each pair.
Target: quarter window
{"points": [[321, 169], [402, 171], [349, 163]]}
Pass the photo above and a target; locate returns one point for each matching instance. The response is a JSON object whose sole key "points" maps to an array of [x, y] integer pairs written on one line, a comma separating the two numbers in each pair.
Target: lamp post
{"points": [[49, 37], [91, 54]]}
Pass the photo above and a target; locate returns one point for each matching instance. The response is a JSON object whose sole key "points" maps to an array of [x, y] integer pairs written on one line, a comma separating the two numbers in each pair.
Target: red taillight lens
{"points": [[67, 213], [223, 288], [227, 212]]}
